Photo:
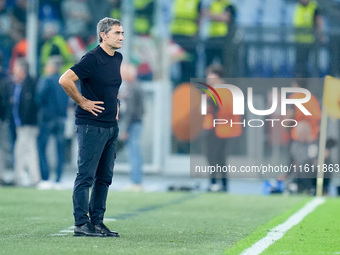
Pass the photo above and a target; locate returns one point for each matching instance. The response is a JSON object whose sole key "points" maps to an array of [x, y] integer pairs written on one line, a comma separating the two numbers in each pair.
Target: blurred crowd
{"points": [[35, 108], [66, 28], [202, 32]]}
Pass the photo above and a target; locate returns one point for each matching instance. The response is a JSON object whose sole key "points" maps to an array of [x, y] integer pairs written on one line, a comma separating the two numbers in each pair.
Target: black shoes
{"points": [[99, 230], [105, 231], [86, 229]]}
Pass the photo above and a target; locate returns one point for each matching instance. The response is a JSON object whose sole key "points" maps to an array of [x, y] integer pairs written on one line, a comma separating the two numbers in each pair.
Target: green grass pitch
{"points": [[39, 222]]}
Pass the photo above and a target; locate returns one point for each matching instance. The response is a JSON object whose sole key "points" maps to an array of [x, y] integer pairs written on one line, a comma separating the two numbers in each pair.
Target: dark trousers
{"points": [[221, 50], [188, 67], [214, 50], [96, 157], [46, 129], [216, 153], [302, 58]]}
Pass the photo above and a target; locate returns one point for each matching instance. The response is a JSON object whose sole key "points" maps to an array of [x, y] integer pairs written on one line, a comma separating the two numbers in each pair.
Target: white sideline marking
{"points": [[66, 231], [278, 232], [110, 219]]}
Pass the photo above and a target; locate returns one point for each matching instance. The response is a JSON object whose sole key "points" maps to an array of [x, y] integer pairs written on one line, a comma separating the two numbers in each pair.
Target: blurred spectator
{"points": [[99, 9], [217, 138], [77, 18], [52, 104], [54, 44], [133, 114], [309, 28], [184, 30], [115, 10], [221, 15], [304, 138], [24, 113], [143, 17], [144, 45], [313, 106], [20, 48], [303, 151], [5, 20], [5, 34], [6, 86], [18, 15], [50, 12]]}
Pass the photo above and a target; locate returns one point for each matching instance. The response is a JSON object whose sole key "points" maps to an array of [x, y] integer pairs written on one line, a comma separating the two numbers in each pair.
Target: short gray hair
{"points": [[105, 25]]}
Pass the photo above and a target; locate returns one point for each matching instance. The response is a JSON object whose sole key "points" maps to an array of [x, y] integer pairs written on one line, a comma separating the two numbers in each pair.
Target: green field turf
{"points": [[318, 233], [149, 223], [263, 230]]}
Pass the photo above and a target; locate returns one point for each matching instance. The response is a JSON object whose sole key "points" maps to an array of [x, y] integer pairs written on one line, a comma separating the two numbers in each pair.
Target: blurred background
{"points": [[170, 42]]}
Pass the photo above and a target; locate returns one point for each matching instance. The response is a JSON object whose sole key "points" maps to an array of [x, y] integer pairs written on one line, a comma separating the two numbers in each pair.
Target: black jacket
{"points": [[27, 105], [5, 89]]}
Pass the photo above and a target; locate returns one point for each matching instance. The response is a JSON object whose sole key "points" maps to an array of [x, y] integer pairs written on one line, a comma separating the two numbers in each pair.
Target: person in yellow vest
{"points": [[184, 29], [54, 44], [221, 15], [218, 138], [143, 19], [308, 23], [115, 12], [143, 43]]}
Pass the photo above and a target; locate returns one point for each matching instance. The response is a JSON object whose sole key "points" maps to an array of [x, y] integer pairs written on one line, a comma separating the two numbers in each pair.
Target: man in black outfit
{"points": [[96, 125]]}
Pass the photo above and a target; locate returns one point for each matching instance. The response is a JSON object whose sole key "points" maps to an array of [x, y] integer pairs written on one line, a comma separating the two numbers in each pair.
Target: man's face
{"points": [[213, 79], [114, 37], [18, 73], [304, 2]]}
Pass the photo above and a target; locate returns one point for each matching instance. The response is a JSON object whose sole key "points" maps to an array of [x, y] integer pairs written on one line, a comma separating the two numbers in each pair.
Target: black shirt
{"points": [[100, 79]]}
